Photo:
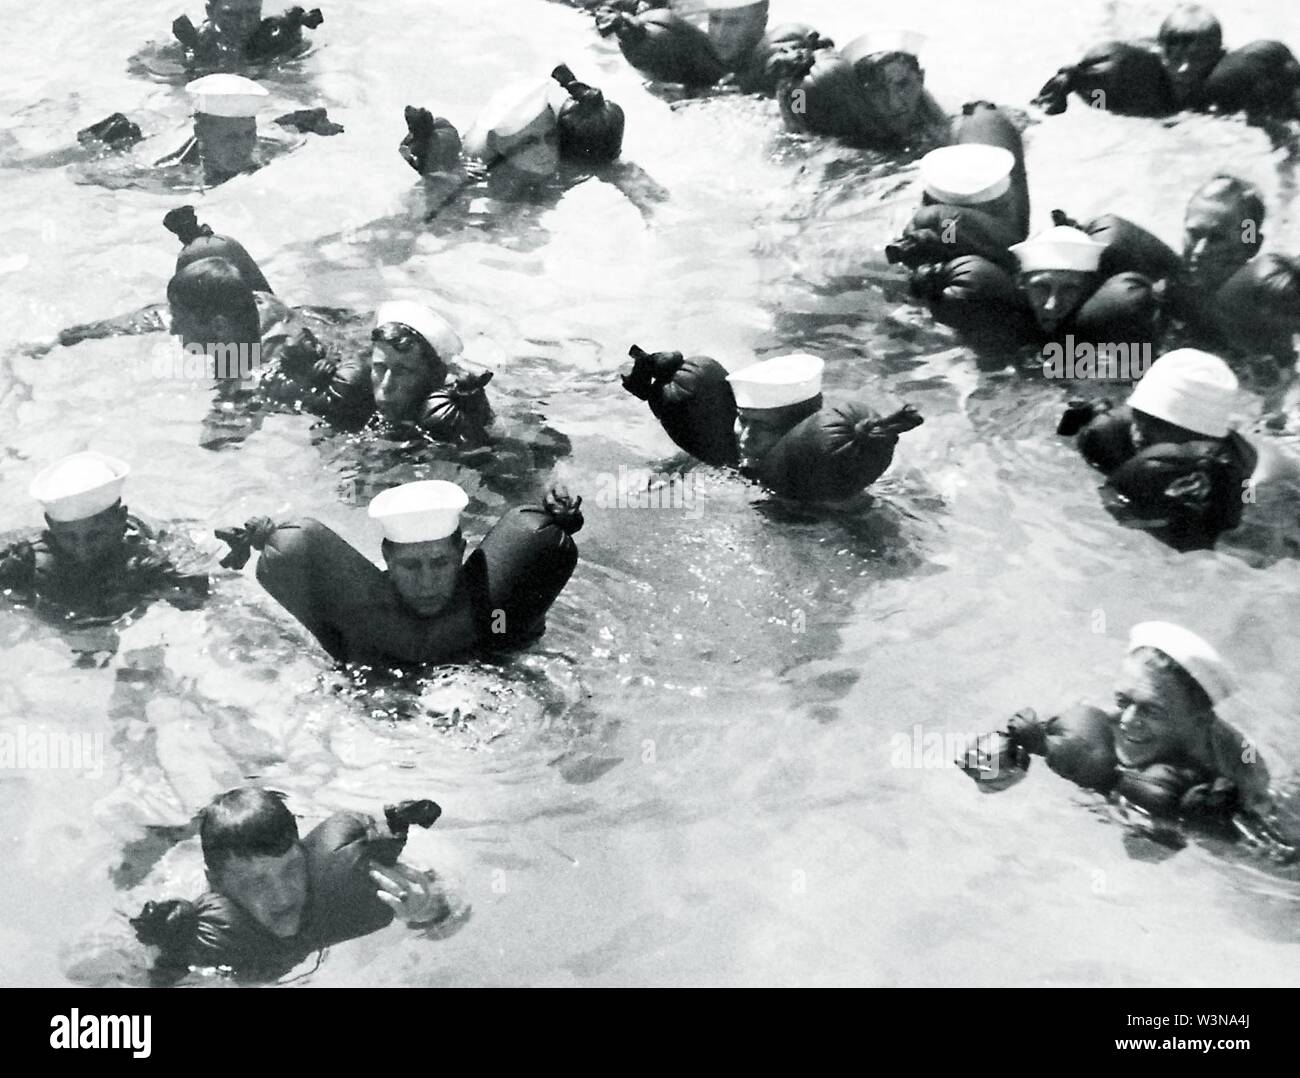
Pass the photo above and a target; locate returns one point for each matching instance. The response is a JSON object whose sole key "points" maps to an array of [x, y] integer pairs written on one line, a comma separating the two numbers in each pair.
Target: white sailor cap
{"points": [[521, 109], [778, 382], [1059, 248], [430, 325], [967, 174], [80, 486], [887, 39], [1205, 665], [1190, 389], [226, 95], [419, 512]]}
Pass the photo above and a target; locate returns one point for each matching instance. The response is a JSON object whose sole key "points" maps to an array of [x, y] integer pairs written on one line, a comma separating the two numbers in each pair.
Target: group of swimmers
{"points": [[1171, 454]]}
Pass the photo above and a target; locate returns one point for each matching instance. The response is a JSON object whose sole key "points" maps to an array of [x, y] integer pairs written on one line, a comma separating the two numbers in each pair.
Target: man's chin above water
{"points": [[285, 923], [426, 606], [1135, 752]]}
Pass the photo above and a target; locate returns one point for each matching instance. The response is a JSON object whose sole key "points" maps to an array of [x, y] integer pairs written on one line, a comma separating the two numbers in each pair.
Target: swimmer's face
{"points": [[734, 32], [272, 890], [894, 90], [1157, 719], [757, 431], [426, 574], [1189, 59], [235, 20], [1054, 295], [1147, 430], [1218, 240], [226, 143], [402, 375], [93, 540]]}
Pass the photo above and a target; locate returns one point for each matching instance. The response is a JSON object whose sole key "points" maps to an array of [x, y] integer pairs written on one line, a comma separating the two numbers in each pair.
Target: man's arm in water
{"points": [[154, 318], [636, 185]]}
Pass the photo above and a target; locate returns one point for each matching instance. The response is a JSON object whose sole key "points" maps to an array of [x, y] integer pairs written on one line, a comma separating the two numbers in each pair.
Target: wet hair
{"points": [[1221, 187], [247, 822], [1190, 23], [1155, 659], [214, 286]]}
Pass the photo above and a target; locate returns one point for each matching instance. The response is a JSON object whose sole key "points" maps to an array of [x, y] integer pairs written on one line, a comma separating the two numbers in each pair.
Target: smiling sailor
{"points": [[1162, 746]]}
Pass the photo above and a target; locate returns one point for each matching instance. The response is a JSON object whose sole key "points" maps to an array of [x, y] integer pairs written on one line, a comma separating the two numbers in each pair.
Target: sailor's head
{"points": [[412, 347], [225, 122], [423, 547], [892, 81], [735, 27], [253, 857], [212, 304], [771, 397], [1058, 271], [1187, 395], [970, 174], [235, 20], [1166, 693], [1191, 43], [82, 498], [1222, 230]]}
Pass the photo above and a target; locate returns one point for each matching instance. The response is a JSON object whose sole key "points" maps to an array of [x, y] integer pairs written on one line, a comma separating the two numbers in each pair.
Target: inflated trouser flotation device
{"points": [[280, 35], [760, 74], [1118, 76], [199, 241], [938, 232], [590, 127], [521, 566], [352, 608], [214, 931], [829, 455], [835, 453], [1188, 492], [664, 47], [692, 400], [819, 94], [976, 293], [1257, 310], [1259, 79]]}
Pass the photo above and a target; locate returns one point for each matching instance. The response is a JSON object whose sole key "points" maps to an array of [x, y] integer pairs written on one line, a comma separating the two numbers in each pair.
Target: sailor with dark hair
{"points": [[275, 898], [1184, 67]]}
